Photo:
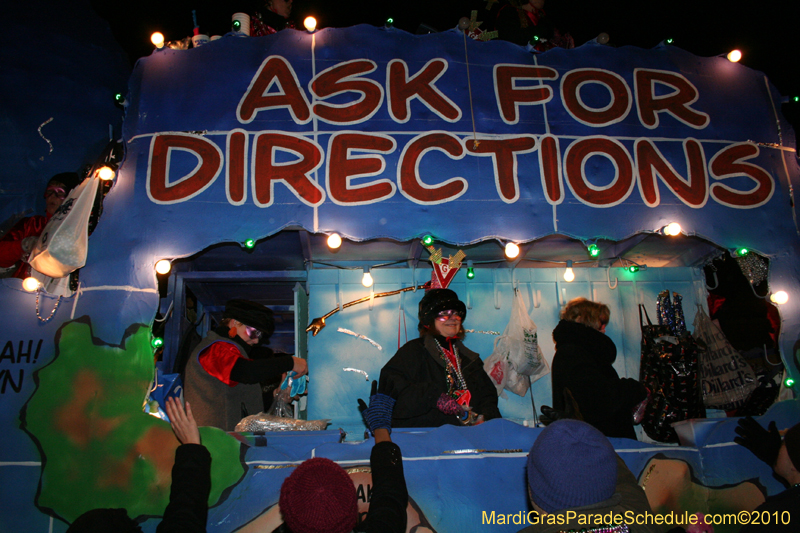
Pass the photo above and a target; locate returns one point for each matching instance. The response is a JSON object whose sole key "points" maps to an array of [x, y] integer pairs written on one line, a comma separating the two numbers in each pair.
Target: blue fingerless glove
{"points": [[379, 413]]}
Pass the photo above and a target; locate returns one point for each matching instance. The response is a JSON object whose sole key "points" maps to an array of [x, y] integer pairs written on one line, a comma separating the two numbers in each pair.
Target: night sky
{"points": [[767, 36]]}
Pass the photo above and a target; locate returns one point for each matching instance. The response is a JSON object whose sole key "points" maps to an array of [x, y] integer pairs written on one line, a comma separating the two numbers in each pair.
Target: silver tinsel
{"points": [[753, 267]]}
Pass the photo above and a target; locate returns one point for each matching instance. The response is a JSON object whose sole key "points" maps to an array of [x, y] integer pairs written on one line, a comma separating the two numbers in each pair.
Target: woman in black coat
{"points": [[435, 379], [583, 365]]}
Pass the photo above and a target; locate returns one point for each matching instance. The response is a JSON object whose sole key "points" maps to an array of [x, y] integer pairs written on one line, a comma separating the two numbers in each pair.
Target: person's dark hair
{"points": [[586, 312], [70, 180]]}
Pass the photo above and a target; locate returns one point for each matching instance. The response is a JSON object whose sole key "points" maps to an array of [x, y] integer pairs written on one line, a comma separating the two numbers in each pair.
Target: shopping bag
{"points": [[524, 354], [727, 379], [63, 245], [496, 366]]}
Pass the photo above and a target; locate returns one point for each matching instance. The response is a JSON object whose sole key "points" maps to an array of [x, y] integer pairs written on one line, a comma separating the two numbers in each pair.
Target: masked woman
{"points": [[222, 381], [583, 365], [435, 379]]}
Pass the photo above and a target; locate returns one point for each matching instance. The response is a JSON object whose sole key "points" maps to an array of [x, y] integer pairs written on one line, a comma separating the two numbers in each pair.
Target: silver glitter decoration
{"points": [[360, 336], [366, 376], [265, 422], [753, 267]]}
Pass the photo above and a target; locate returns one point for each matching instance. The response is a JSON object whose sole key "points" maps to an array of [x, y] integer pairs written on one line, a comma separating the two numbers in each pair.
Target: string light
{"points": [[106, 173], [389, 22], [470, 270], [512, 250], [157, 39], [672, 229], [734, 56], [741, 252], [593, 250], [31, 284], [789, 383], [569, 275], [310, 23], [250, 244], [780, 297], [119, 99], [163, 266], [157, 343], [633, 268], [669, 40], [427, 240], [334, 241], [366, 279]]}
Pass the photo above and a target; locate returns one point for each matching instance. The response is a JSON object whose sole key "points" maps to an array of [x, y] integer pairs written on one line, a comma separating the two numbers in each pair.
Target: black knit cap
{"points": [[437, 300], [69, 179], [251, 314]]}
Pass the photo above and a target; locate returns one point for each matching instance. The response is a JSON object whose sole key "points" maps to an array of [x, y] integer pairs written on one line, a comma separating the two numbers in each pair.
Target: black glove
{"points": [[764, 443], [379, 413]]}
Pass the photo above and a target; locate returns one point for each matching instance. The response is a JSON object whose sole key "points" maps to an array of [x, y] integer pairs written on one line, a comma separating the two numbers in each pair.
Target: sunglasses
{"points": [[55, 191], [253, 333], [449, 313]]}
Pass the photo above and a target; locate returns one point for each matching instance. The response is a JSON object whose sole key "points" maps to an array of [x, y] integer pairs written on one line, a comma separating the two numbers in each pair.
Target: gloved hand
{"points": [[448, 405], [764, 443], [379, 413]]}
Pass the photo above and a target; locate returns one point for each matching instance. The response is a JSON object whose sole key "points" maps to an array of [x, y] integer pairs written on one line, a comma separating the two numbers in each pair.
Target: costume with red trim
{"points": [[11, 251]]}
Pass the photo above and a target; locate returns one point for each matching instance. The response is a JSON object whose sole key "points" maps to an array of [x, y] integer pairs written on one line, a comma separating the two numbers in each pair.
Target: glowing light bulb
{"points": [[470, 270], [389, 22], [780, 297], [741, 252], [157, 39], [310, 23], [250, 244], [427, 240], [789, 382], [31, 284], [106, 173], [633, 268], [334, 241], [157, 342], [669, 40], [569, 275], [163, 266], [734, 56], [512, 250], [594, 251], [672, 229], [366, 279]]}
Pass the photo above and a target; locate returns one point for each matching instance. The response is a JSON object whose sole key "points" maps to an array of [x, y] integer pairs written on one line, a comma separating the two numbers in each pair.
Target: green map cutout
{"points": [[98, 448]]}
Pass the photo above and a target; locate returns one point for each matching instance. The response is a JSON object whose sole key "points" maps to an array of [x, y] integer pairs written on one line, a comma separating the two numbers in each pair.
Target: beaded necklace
{"points": [[453, 369]]}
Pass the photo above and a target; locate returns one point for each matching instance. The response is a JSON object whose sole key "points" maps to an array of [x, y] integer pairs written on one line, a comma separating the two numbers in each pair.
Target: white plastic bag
{"points": [[63, 245], [525, 356], [496, 366]]}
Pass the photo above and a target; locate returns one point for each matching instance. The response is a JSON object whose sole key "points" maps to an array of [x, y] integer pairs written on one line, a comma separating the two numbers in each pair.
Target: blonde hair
{"points": [[586, 312]]}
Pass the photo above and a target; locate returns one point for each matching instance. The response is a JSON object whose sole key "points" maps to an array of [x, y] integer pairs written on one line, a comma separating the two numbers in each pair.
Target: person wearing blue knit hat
{"points": [[572, 466]]}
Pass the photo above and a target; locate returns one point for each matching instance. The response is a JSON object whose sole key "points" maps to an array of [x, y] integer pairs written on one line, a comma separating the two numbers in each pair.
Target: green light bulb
{"points": [[236, 25], [389, 21], [157, 342], [633, 268], [427, 240], [119, 97], [594, 251], [249, 243], [741, 252], [670, 40], [470, 273], [796, 98], [789, 383]]}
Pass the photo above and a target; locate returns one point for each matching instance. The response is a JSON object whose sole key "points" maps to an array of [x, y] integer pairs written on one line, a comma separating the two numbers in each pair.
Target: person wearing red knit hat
{"points": [[320, 497]]}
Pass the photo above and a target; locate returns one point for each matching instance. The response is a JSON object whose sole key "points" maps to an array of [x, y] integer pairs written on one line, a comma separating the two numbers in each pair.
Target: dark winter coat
{"points": [[187, 511], [583, 364], [416, 377], [780, 510]]}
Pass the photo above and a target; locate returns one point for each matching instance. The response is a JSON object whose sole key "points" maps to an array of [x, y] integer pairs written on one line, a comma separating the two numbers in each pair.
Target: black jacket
{"points": [[583, 364], [187, 511], [416, 377], [777, 513]]}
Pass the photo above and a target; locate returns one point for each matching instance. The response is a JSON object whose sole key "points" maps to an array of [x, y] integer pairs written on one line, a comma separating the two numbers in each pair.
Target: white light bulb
{"points": [[569, 275], [310, 23], [672, 229], [734, 56], [366, 279], [31, 284], [334, 241], [106, 173], [780, 297], [163, 266], [512, 250], [157, 39]]}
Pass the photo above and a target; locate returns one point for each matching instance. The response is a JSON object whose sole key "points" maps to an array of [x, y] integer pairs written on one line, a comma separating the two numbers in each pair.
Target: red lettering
{"points": [[616, 110], [294, 174], [236, 167], [343, 168], [503, 153], [729, 163], [160, 188], [341, 79], [509, 97], [676, 103], [650, 162], [402, 89], [275, 70], [550, 167], [606, 196], [412, 186]]}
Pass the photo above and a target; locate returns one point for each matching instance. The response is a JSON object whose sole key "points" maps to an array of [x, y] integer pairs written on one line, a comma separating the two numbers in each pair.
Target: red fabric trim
{"points": [[11, 243], [218, 360]]}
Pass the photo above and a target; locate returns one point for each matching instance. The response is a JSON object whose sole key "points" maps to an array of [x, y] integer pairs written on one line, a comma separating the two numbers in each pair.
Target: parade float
{"points": [[241, 157]]}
